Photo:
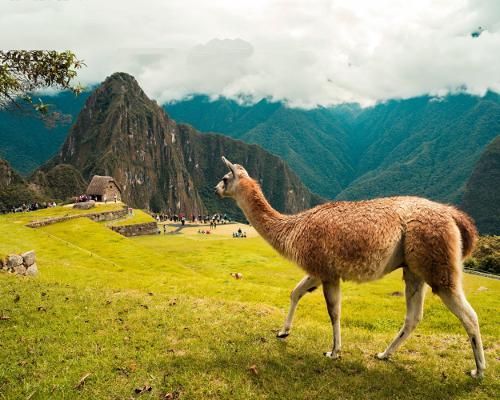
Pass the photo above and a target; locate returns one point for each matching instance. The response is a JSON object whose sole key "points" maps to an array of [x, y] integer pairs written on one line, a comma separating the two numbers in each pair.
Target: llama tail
{"points": [[468, 231]]}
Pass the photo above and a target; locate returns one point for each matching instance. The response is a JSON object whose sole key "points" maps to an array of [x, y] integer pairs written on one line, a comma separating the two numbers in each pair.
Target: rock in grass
{"points": [[29, 258], [20, 269], [86, 205], [32, 270], [237, 275], [14, 260]]}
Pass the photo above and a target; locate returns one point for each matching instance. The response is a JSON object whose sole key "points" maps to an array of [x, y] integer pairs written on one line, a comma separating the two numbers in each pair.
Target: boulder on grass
{"points": [[85, 205], [20, 269], [32, 270], [29, 258], [14, 260]]}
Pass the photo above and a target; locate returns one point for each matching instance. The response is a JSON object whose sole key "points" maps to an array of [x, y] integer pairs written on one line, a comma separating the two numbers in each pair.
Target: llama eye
{"points": [[224, 180]]}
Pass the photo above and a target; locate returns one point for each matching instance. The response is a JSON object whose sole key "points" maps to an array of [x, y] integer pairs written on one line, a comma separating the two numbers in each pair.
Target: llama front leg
{"points": [[415, 294], [307, 284], [331, 290]]}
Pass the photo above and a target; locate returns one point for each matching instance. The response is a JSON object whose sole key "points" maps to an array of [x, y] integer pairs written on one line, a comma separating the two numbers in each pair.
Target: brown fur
{"points": [[365, 240], [468, 231]]}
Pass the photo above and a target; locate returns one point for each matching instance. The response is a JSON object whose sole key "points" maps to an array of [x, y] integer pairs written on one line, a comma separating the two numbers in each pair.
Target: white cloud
{"points": [[306, 52]]}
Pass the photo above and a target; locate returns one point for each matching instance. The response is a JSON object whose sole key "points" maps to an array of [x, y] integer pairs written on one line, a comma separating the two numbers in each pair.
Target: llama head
{"points": [[227, 186]]}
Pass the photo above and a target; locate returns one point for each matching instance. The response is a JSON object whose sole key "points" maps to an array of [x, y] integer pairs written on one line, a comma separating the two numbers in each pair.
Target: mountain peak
{"points": [[161, 165], [120, 77], [118, 85]]}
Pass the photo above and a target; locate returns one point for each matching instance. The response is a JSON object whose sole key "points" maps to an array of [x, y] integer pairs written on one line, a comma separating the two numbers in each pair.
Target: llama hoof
{"points": [[382, 356], [477, 374], [332, 355], [282, 334]]}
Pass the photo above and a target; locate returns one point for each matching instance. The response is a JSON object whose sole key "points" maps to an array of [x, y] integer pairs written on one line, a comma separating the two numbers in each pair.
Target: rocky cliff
{"points": [[8, 176], [162, 165]]}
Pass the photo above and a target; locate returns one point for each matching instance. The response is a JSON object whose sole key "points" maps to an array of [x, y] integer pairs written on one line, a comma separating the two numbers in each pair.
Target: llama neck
{"points": [[266, 220]]}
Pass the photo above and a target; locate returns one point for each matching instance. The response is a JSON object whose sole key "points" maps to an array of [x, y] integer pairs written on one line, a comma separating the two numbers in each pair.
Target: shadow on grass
{"points": [[315, 377]]}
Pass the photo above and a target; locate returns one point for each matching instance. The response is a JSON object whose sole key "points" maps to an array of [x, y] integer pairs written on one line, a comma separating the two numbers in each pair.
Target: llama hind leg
{"points": [[458, 305], [307, 284], [331, 290], [415, 294]]}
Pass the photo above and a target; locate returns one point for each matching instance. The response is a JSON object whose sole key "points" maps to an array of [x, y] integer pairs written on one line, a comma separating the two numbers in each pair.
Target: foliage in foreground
{"points": [[164, 312], [25, 71]]}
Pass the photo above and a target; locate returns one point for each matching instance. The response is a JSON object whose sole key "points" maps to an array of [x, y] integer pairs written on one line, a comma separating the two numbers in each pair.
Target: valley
{"points": [[421, 146]]}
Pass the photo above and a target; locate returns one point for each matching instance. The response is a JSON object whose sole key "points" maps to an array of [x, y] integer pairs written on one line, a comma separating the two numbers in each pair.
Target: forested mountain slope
{"points": [[425, 146], [26, 142], [482, 193]]}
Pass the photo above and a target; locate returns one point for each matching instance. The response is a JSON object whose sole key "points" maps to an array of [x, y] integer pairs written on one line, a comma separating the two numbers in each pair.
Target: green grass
{"points": [[164, 311], [138, 217], [57, 212]]}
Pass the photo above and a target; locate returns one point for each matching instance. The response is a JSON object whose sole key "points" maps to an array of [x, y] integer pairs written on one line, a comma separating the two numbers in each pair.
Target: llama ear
{"points": [[230, 165]]}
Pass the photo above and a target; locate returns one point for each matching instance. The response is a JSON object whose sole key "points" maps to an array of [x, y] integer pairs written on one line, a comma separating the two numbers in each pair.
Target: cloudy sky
{"points": [[305, 52]]}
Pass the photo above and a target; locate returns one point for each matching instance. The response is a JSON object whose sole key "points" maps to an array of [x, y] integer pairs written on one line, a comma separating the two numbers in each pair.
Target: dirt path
{"points": [[223, 229]]}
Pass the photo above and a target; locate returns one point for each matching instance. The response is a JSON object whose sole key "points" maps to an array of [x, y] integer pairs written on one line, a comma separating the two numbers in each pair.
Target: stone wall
{"points": [[97, 217], [20, 264], [147, 228], [108, 215]]}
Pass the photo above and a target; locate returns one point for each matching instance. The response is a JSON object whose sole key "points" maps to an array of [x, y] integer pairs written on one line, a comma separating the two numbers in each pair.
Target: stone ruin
{"points": [[20, 264], [85, 205]]}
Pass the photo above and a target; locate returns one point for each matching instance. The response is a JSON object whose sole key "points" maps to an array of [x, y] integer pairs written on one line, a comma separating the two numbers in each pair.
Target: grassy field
{"points": [[137, 217], [163, 312]]}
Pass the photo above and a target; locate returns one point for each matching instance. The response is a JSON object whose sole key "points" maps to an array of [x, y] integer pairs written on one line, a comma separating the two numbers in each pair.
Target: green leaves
{"points": [[25, 71]]}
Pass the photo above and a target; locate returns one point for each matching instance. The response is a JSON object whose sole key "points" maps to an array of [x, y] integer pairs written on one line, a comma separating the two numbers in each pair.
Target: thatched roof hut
{"points": [[103, 188]]}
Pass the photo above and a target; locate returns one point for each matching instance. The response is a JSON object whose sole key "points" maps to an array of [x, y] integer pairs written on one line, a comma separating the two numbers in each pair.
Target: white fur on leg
{"points": [[305, 285], [332, 354], [382, 356], [331, 291], [478, 375], [282, 334]]}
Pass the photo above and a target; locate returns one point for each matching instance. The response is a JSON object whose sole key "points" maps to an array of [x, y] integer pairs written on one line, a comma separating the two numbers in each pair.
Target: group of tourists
{"points": [[239, 234], [213, 220], [30, 207], [173, 218], [85, 197]]}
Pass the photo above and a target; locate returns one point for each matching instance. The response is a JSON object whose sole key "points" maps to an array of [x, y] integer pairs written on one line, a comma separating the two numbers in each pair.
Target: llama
{"points": [[363, 241]]}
